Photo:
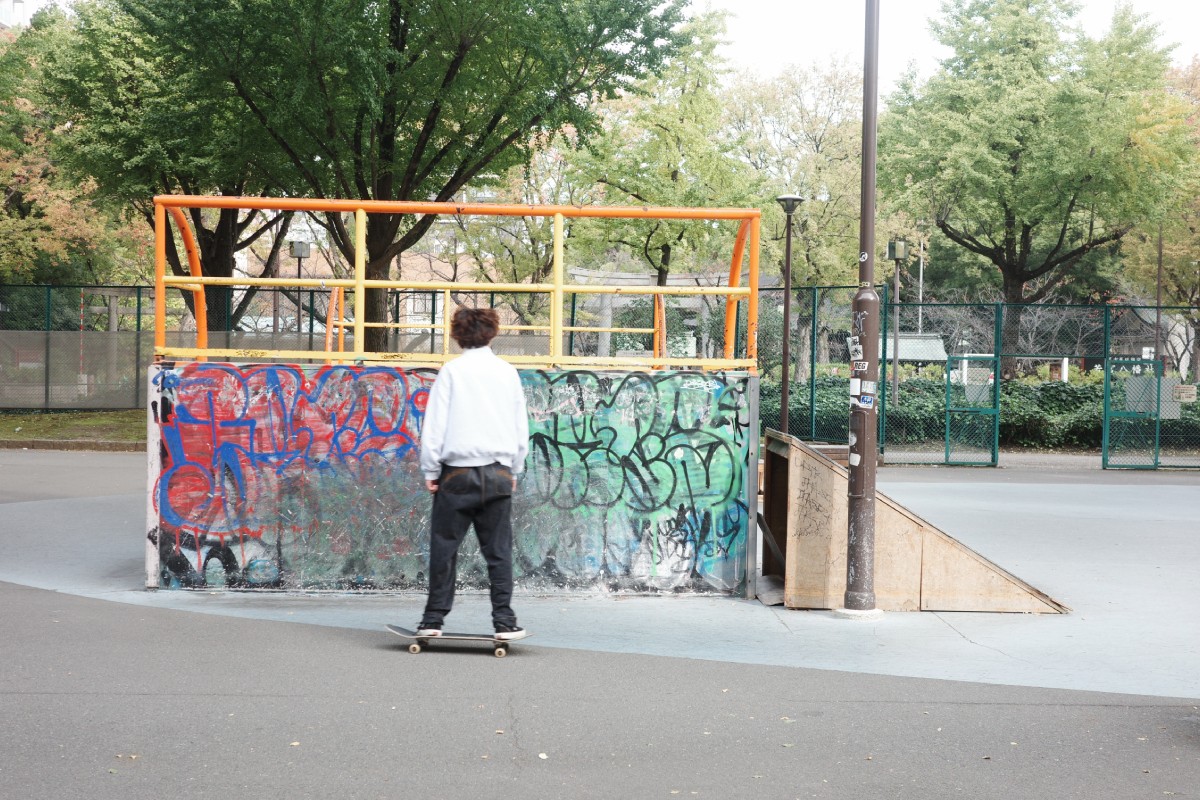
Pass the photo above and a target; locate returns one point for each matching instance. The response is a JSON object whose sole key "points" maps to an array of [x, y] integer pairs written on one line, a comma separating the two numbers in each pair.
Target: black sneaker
{"points": [[429, 629], [510, 632]]}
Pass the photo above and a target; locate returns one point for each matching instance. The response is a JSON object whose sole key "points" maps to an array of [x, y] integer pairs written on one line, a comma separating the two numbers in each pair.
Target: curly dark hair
{"points": [[474, 327]]}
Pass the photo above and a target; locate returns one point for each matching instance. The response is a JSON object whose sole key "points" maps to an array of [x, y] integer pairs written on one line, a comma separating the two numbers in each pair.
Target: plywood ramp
{"points": [[917, 566]]}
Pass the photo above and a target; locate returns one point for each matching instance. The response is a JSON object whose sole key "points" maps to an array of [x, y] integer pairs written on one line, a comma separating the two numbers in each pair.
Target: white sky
{"points": [[766, 36]]}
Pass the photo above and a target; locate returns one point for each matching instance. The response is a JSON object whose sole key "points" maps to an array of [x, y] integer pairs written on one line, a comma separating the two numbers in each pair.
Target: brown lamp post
{"points": [[789, 202]]}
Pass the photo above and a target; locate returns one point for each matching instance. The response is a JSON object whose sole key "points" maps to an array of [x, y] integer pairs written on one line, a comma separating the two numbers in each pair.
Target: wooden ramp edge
{"points": [[918, 567]]}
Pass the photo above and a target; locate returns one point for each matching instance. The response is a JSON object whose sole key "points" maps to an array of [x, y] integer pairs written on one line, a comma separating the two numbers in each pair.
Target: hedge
{"points": [[1039, 415]]}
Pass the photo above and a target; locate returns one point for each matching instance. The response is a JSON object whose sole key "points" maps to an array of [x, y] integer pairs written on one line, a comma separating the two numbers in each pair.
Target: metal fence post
{"points": [[571, 335], [137, 351], [885, 314], [46, 354], [997, 352], [812, 367]]}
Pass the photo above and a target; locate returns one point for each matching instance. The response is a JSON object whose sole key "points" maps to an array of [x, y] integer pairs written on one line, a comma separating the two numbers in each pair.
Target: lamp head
{"points": [[789, 202], [897, 250]]}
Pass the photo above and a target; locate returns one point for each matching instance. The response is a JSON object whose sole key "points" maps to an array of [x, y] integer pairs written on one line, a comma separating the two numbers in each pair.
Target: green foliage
{"points": [[1050, 415], [770, 336], [336, 98], [396, 101], [639, 313], [133, 119], [801, 131], [920, 417], [1033, 151], [663, 146], [52, 229], [1074, 375], [74, 426], [143, 121], [832, 418]]}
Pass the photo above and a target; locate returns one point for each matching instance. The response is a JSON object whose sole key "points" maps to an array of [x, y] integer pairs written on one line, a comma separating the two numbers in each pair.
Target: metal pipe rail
{"points": [[748, 237]]}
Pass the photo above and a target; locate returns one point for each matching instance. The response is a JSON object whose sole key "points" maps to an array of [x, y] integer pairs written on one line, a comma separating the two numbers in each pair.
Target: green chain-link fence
{"points": [[1151, 413], [961, 381], [958, 382]]}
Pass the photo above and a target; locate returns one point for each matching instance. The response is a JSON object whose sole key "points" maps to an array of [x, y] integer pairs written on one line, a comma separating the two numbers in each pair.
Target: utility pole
{"points": [[864, 353]]}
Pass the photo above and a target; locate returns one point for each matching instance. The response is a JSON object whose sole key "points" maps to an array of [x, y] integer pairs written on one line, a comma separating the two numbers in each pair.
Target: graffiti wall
{"points": [[279, 476]]}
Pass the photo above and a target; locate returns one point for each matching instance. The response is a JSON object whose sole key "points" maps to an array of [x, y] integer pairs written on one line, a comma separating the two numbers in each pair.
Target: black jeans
{"points": [[471, 495]]}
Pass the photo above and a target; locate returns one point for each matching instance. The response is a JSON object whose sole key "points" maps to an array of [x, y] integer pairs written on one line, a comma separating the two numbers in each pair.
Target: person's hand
{"points": [[431, 485], [514, 483]]}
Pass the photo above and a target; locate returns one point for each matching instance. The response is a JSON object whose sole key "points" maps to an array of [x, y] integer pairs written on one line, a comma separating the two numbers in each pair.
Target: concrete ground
{"points": [[632, 697]]}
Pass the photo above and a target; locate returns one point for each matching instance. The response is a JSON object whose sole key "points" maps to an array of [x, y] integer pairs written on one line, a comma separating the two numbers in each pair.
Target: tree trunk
{"points": [[381, 230], [376, 339], [802, 354], [1194, 363], [1010, 332], [217, 248]]}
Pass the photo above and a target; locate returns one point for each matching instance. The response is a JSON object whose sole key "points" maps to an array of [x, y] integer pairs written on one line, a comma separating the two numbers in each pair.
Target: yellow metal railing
{"points": [[557, 289]]}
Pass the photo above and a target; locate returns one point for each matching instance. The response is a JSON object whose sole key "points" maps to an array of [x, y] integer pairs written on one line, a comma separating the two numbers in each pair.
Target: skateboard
{"points": [[499, 646]]}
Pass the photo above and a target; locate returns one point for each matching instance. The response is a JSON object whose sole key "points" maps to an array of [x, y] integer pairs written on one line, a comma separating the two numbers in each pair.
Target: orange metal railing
{"points": [[745, 249]]}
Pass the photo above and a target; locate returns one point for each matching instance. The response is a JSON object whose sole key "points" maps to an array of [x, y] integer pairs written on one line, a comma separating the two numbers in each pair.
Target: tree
{"points": [[399, 100], [521, 249], [801, 131], [50, 231], [663, 146], [1031, 150], [138, 120], [1178, 229]]}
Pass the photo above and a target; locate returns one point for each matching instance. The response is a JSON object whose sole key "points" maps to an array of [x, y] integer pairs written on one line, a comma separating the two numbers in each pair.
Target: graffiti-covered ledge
{"points": [[269, 476]]}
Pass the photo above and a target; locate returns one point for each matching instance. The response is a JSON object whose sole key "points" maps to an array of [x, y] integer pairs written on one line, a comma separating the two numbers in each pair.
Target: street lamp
{"points": [[897, 250], [300, 251], [789, 203]]}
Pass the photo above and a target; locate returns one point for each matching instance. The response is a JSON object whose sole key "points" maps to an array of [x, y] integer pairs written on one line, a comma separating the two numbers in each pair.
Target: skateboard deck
{"points": [[499, 646]]}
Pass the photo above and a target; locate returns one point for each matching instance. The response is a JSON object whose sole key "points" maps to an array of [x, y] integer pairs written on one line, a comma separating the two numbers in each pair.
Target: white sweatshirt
{"points": [[475, 415]]}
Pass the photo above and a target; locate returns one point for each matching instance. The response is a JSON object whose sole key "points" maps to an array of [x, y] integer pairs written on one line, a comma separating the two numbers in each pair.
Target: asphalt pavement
{"points": [[110, 691]]}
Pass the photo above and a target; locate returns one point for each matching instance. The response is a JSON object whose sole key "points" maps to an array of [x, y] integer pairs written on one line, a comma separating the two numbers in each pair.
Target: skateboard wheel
{"points": [[414, 648], [501, 652]]}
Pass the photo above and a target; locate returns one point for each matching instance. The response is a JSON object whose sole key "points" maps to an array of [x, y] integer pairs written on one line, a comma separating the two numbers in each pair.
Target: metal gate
{"points": [[972, 410], [1132, 410]]}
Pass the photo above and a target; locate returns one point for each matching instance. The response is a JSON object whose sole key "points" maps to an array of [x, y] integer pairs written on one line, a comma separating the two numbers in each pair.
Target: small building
{"points": [[919, 348]]}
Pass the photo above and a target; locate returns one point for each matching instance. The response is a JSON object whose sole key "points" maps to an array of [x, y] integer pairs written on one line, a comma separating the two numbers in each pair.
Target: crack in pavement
{"points": [[969, 640]]}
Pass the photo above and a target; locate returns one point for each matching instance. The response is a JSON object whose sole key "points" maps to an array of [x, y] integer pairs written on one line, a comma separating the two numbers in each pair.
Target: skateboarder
{"points": [[473, 445]]}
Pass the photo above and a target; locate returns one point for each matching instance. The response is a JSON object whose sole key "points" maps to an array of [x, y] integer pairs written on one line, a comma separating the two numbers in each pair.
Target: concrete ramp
{"points": [[917, 566]]}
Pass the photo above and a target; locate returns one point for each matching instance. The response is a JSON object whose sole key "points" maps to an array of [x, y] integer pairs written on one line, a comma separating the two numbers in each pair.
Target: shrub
{"points": [[1036, 415], [1023, 422]]}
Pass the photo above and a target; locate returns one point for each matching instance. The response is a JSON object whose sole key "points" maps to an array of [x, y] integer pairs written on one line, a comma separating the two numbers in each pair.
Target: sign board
{"points": [[1184, 393]]}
